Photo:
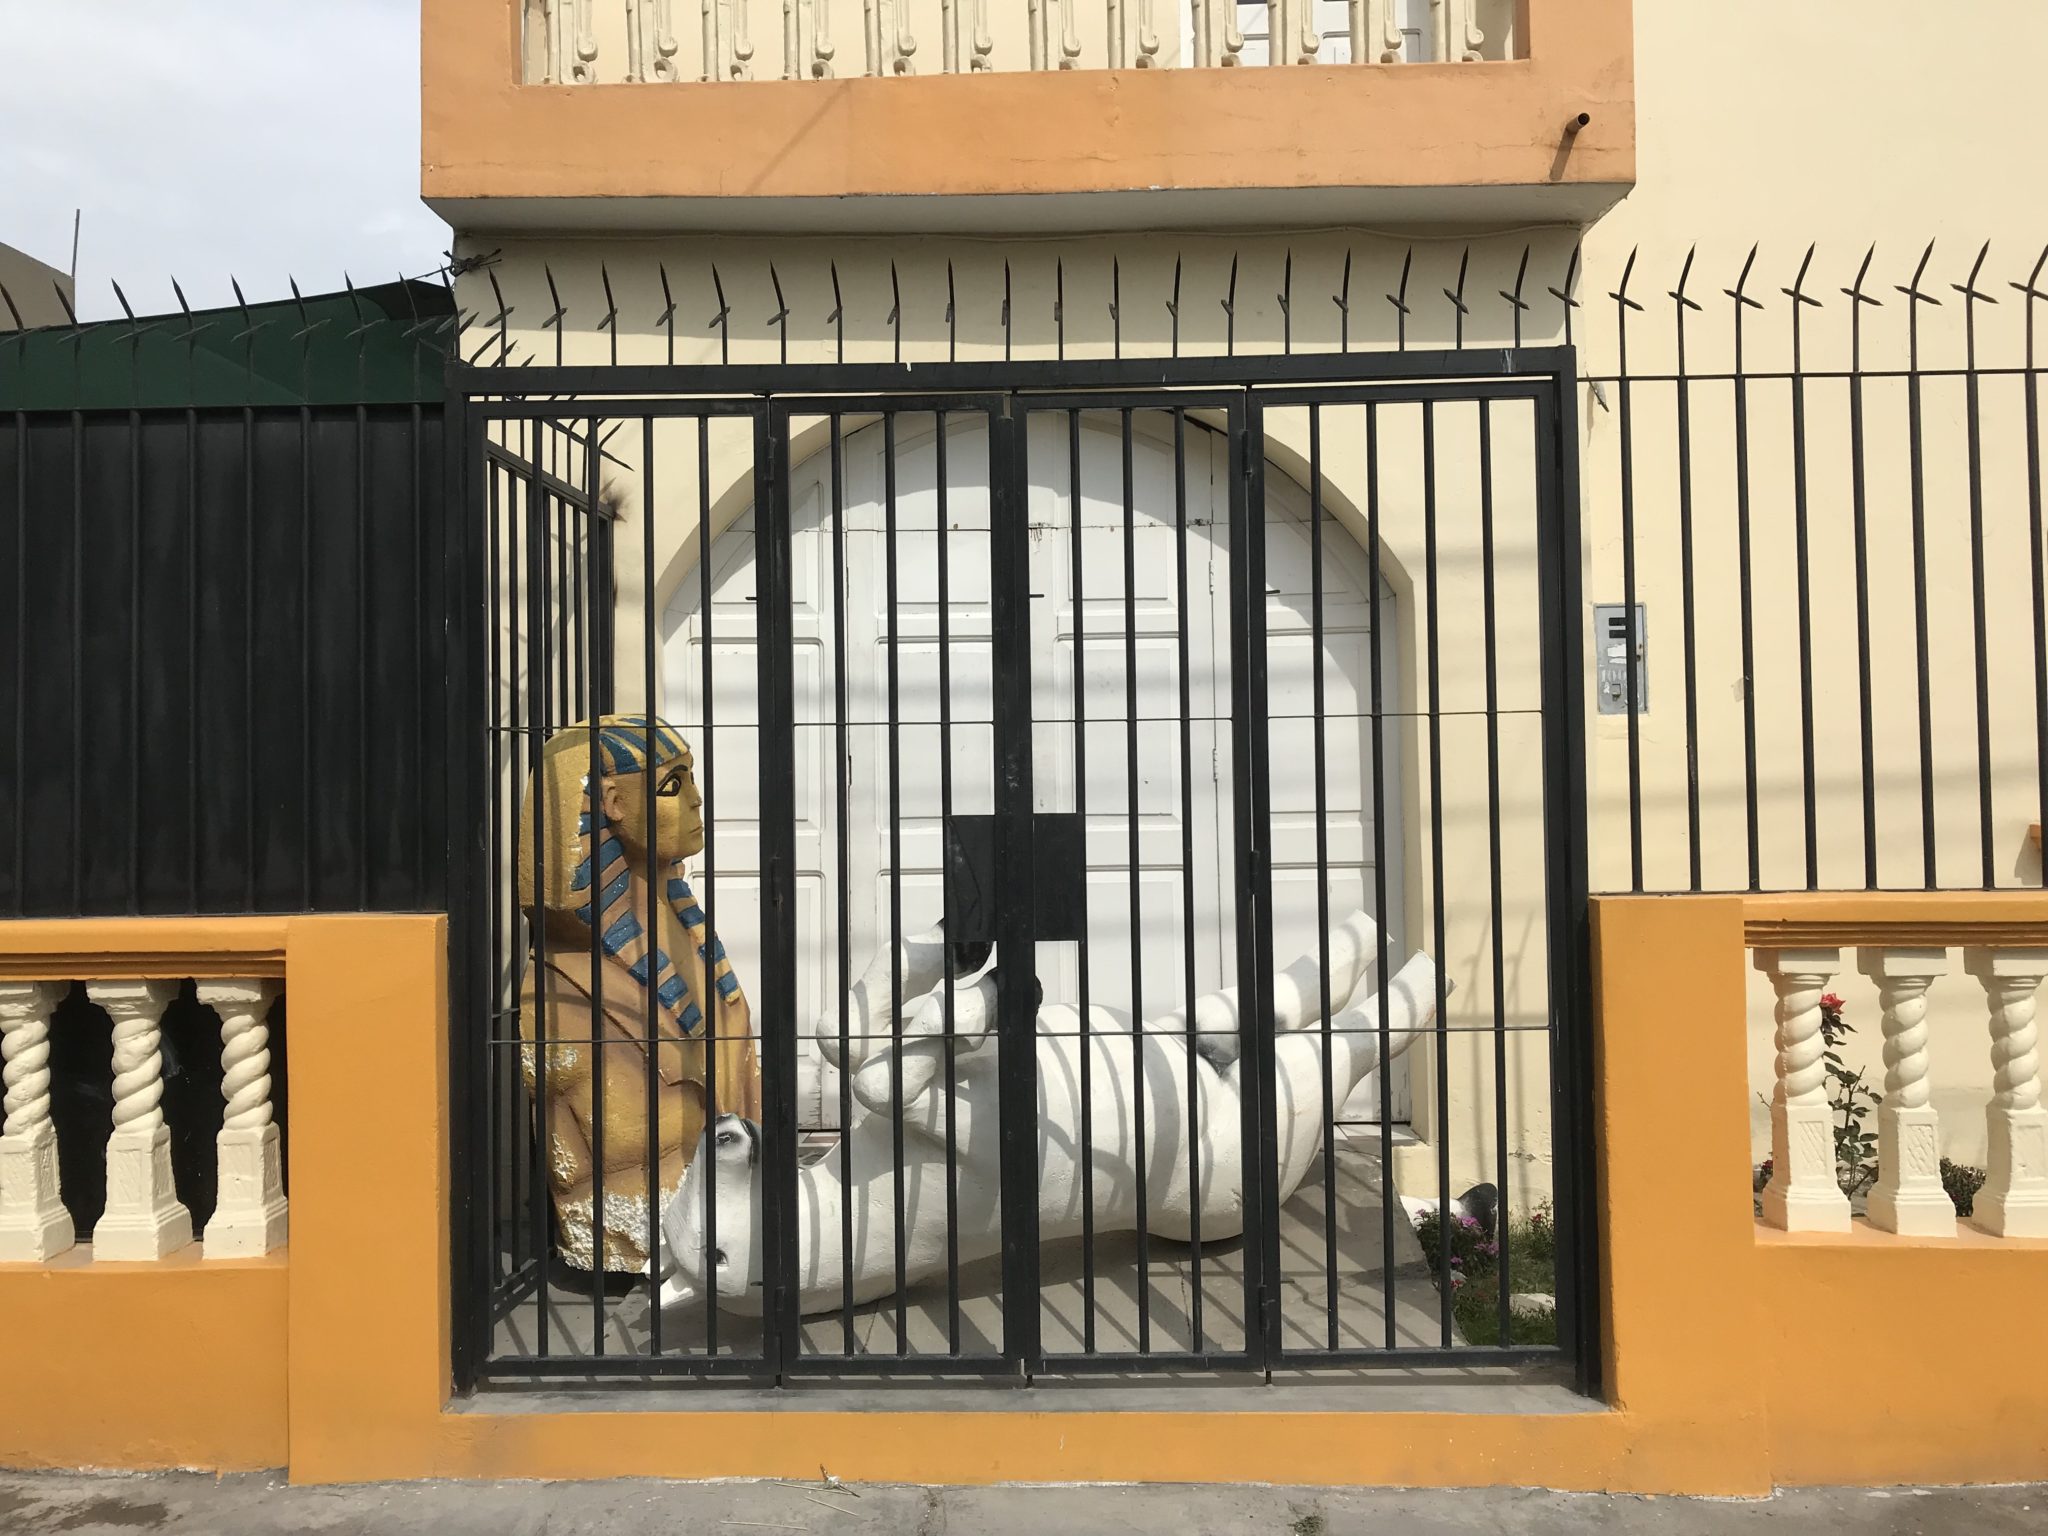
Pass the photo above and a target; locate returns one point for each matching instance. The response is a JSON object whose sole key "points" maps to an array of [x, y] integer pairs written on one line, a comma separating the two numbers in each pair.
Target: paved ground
{"points": [[192, 1505], [1174, 1272]]}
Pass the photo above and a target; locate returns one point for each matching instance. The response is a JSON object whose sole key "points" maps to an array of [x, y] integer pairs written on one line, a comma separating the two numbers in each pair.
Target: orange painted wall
{"points": [[137, 1366], [1726, 1363], [485, 135]]}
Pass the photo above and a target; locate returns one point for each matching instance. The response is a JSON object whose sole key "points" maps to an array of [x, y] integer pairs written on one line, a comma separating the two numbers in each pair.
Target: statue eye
{"points": [[671, 786], [718, 1258]]}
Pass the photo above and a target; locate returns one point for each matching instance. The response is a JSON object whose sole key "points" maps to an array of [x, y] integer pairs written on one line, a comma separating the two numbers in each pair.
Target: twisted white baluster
{"points": [[143, 1218], [1803, 1195], [2014, 1199], [983, 41], [34, 1225], [742, 66], [585, 68], [666, 43], [1908, 1196], [250, 1215]]}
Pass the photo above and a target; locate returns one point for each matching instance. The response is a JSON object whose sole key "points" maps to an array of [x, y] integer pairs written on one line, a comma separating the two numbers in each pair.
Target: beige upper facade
{"points": [[1759, 126]]}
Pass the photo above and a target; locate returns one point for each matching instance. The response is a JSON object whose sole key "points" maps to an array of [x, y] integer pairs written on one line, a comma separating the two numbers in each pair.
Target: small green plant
{"points": [[1474, 1273], [1962, 1183]]}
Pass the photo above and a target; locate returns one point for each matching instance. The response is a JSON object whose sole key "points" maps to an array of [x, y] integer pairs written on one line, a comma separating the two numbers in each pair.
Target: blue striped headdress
{"points": [[603, 877]]}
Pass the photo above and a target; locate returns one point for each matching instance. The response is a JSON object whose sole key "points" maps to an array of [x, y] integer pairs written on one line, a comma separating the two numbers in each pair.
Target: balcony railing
{"points": [[585, 42], [143, 1219]]}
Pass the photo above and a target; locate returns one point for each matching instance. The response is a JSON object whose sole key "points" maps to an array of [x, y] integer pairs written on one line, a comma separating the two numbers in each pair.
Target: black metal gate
{"points": [[987, 672]]}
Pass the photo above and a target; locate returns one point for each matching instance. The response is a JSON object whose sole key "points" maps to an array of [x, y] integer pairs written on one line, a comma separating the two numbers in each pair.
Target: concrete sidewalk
{"points": [[194, 1505]]}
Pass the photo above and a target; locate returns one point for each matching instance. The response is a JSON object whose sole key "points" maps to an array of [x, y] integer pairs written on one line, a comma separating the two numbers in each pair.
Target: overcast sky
{"points": [[262, 138]]}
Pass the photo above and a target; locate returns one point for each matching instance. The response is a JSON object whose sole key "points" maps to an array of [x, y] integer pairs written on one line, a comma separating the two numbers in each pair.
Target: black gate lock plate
{"points": [[1059, 886]]}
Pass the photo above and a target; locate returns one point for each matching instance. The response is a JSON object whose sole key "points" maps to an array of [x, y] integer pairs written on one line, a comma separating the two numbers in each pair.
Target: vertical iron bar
{"points": [[895, 623], [844, 843], [1973, 408], [1442, 1126], [362, 647], [513, 957], [1804, 574], [134, 660], [1382, 940], [709, 790], [2038, 552], [1502, 1208], [1329, 1087], [499, 1136], [1631, 664], [1689, 614], [1859, 512], [775, 628], [192, 676], [1749, 785], [1074, 511], [1136, 869], [650, 1032], [1260, 1013], [307, 759], [946, 907], [1187, 878], [1918, 473], [539, 676], [587, 663]]}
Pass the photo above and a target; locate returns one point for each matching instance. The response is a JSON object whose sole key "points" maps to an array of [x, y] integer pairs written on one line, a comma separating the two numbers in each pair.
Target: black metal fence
{"points": [[1038, 721], [1824, 486], [226, 684]]}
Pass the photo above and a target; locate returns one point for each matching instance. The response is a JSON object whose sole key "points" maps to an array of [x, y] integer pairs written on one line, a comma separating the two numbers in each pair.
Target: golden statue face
{"points": [[678, 829]]}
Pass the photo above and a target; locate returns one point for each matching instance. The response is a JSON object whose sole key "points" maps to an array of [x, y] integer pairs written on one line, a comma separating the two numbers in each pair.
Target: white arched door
{"points": [[1183, 822]]}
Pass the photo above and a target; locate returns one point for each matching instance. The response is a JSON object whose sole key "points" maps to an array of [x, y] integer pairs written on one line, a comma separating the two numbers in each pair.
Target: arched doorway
{"points": [[1138, 591]]}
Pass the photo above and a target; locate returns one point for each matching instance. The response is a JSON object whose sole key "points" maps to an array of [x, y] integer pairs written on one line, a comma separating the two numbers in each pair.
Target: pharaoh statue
{"points": [[904, 1048], [598, 862]]}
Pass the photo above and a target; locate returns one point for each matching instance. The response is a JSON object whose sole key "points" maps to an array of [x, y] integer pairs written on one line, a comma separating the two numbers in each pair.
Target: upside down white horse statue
{"points": [[1157, 1066]]}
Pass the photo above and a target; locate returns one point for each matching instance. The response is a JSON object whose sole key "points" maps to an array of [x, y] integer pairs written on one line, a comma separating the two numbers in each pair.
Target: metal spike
{"points": [[1968, 289], [1230, 310], [1912, 289], [1517, 305], [187, 308], [611, 308], [1458, 298], [668, 297], [1006, 309], [122, 298], [1400, 301], [1173, 304], [70, 314], [1856, 293], [8, 299], [1796, 293], [1620, 295], [895, 318], [1742, 282], [1685, 276]]}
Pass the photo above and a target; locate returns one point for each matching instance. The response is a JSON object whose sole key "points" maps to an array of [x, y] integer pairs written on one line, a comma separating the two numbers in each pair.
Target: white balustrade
{"points": [[582, 42], [2014, 1199], [249, 1215], [143, 1218], [1908, 1197], [1803, 1195], [34, 1225]]}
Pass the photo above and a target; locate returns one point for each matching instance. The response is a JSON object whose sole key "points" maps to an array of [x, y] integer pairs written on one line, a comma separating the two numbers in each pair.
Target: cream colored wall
{"points": [[1775, 127]]}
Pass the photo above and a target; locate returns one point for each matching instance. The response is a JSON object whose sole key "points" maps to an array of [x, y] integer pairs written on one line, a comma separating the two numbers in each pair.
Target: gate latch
{"points": [[1059, 887]]}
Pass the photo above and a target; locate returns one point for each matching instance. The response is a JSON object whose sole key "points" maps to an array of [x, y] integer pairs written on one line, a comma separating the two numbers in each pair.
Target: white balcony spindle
{"points": [[250, 1216], [949, 37], [713, 69], [1308, 34], [2014, 1199], [1908, 1197], [1070, 33], [902, 45], [666, 44], [1470, 39], [143, 1218], [34, 1226], [1803, 1195], [1233, 35], [792, 62], [741, 64], [636, 42], [1116, 34], [1355, 21], [983, 41], [584, 70], [1386, 28], [1148, 36], [820, 14]]}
